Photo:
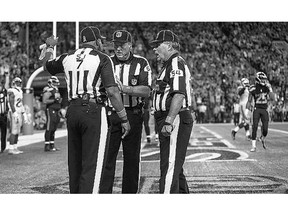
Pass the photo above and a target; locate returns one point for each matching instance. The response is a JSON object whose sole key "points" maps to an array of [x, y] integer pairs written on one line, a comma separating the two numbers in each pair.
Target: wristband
{"points": [[128, 89], [169, 120], [122, 113]]}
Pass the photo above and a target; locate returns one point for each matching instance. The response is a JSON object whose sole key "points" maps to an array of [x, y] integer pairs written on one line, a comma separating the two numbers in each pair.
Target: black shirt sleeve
{"points": [[55, 66]]}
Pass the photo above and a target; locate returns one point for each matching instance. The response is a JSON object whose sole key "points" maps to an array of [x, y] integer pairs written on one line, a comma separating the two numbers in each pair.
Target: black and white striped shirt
{"points": [[174, 77], [132, 72], [86, 69], [3, 102]]}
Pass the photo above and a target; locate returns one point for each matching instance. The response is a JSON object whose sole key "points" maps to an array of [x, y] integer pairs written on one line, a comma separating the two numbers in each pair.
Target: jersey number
{"points": [[261, 99]]}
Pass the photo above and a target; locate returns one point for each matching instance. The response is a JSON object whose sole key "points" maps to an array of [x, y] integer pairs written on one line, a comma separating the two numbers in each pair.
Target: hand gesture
{"points": [[51, 41], [125, 128]]}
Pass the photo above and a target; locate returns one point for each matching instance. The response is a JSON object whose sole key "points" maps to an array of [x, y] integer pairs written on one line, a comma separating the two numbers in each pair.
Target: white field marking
{"points": [[279, 131], [204, 156], [226, 142], [25, 140], [150, 153]]}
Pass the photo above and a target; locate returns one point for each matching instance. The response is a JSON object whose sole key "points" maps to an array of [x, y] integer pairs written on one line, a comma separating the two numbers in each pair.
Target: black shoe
{"points": [[249, 137], [262, 139], [47, 148], [53, 148], [233, 133]]}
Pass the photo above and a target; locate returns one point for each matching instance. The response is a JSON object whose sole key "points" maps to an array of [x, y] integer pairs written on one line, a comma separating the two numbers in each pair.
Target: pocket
{"points": [[186, 117]]}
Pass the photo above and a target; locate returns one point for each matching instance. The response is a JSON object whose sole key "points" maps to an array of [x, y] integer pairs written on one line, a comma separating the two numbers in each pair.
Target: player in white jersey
{"points": [[16, 110], [243, 92]]}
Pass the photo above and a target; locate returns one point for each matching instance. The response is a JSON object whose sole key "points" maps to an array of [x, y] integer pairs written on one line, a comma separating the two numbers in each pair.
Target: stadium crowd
{"points": [[219, 54]]}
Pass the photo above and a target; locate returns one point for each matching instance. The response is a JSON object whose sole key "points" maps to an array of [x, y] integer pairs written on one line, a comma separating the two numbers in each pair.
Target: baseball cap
{"points": [[164, 35], [122, 36], [90, 33]]}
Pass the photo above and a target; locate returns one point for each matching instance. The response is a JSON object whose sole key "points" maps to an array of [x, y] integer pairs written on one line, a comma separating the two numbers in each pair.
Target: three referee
{"points": [[87, 70], [171, 102]]}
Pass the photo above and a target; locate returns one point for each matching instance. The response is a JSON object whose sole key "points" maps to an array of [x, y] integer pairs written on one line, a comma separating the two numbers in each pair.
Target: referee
{"points": [[3, 114], [86, 70], [134, 79], [171, 102]]}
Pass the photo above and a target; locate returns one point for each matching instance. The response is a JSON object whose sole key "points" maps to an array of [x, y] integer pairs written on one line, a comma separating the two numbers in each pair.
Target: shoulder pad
{"points": [[252, 88], [47, 89]]}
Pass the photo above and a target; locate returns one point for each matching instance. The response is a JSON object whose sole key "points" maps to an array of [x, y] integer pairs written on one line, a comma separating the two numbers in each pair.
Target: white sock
{"points": [[247, 133], [254, 143]]}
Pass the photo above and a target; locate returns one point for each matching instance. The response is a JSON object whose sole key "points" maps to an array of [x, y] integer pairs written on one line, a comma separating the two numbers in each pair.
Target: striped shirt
{"points": [[132, 72], [3, 101], [174, 77], [86, 71]]}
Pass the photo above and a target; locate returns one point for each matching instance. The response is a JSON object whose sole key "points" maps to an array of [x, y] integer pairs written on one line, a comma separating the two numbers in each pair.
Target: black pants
{"points": [[131, 145], [236, 118], [53, 120], [173, 152], [264, 116], [88, 134], [3, 125]]}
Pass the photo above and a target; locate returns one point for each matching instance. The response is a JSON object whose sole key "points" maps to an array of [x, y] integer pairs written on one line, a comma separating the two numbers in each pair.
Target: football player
{"points": [[261, 92], [243, 92], [16, 110], [52, 99]]}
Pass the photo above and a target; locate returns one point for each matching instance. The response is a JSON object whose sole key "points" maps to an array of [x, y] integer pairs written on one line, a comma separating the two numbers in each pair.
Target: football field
{"points": [[215, 164]]}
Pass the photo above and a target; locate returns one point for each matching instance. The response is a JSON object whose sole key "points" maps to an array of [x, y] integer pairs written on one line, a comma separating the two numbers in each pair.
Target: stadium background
{"points": [[218, 54]]}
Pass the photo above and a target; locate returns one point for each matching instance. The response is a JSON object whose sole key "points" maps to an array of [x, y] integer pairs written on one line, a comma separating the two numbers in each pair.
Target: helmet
{"points": [[53, 81], [244, 82], [261, 78], [16, 82]]}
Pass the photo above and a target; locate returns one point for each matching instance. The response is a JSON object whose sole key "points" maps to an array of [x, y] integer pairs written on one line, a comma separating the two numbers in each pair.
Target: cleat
{"points": [[19, 152], [13, 152], [262, 139], [249, 137], [233, 133], [253, 149], [53, 148], [47, 148]]}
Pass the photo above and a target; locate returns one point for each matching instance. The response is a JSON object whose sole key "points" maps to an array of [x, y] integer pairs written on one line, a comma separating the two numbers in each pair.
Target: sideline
{"points": [[37, 137]]}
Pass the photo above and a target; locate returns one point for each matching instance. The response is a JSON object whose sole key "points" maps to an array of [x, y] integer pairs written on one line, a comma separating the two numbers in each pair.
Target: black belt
{"points": [[79, 101], [3, 114]]}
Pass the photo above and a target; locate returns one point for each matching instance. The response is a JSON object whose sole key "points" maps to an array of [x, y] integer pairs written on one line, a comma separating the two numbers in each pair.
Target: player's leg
{"points": [[47, 133], [146, 117], [15, 130], [256, 118], [54, 124], [264, 128]]}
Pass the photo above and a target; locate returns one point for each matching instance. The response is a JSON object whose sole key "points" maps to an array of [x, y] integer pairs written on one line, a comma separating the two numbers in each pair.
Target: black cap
{"points": [[165, 35], [90, 33], [122, 36]]}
